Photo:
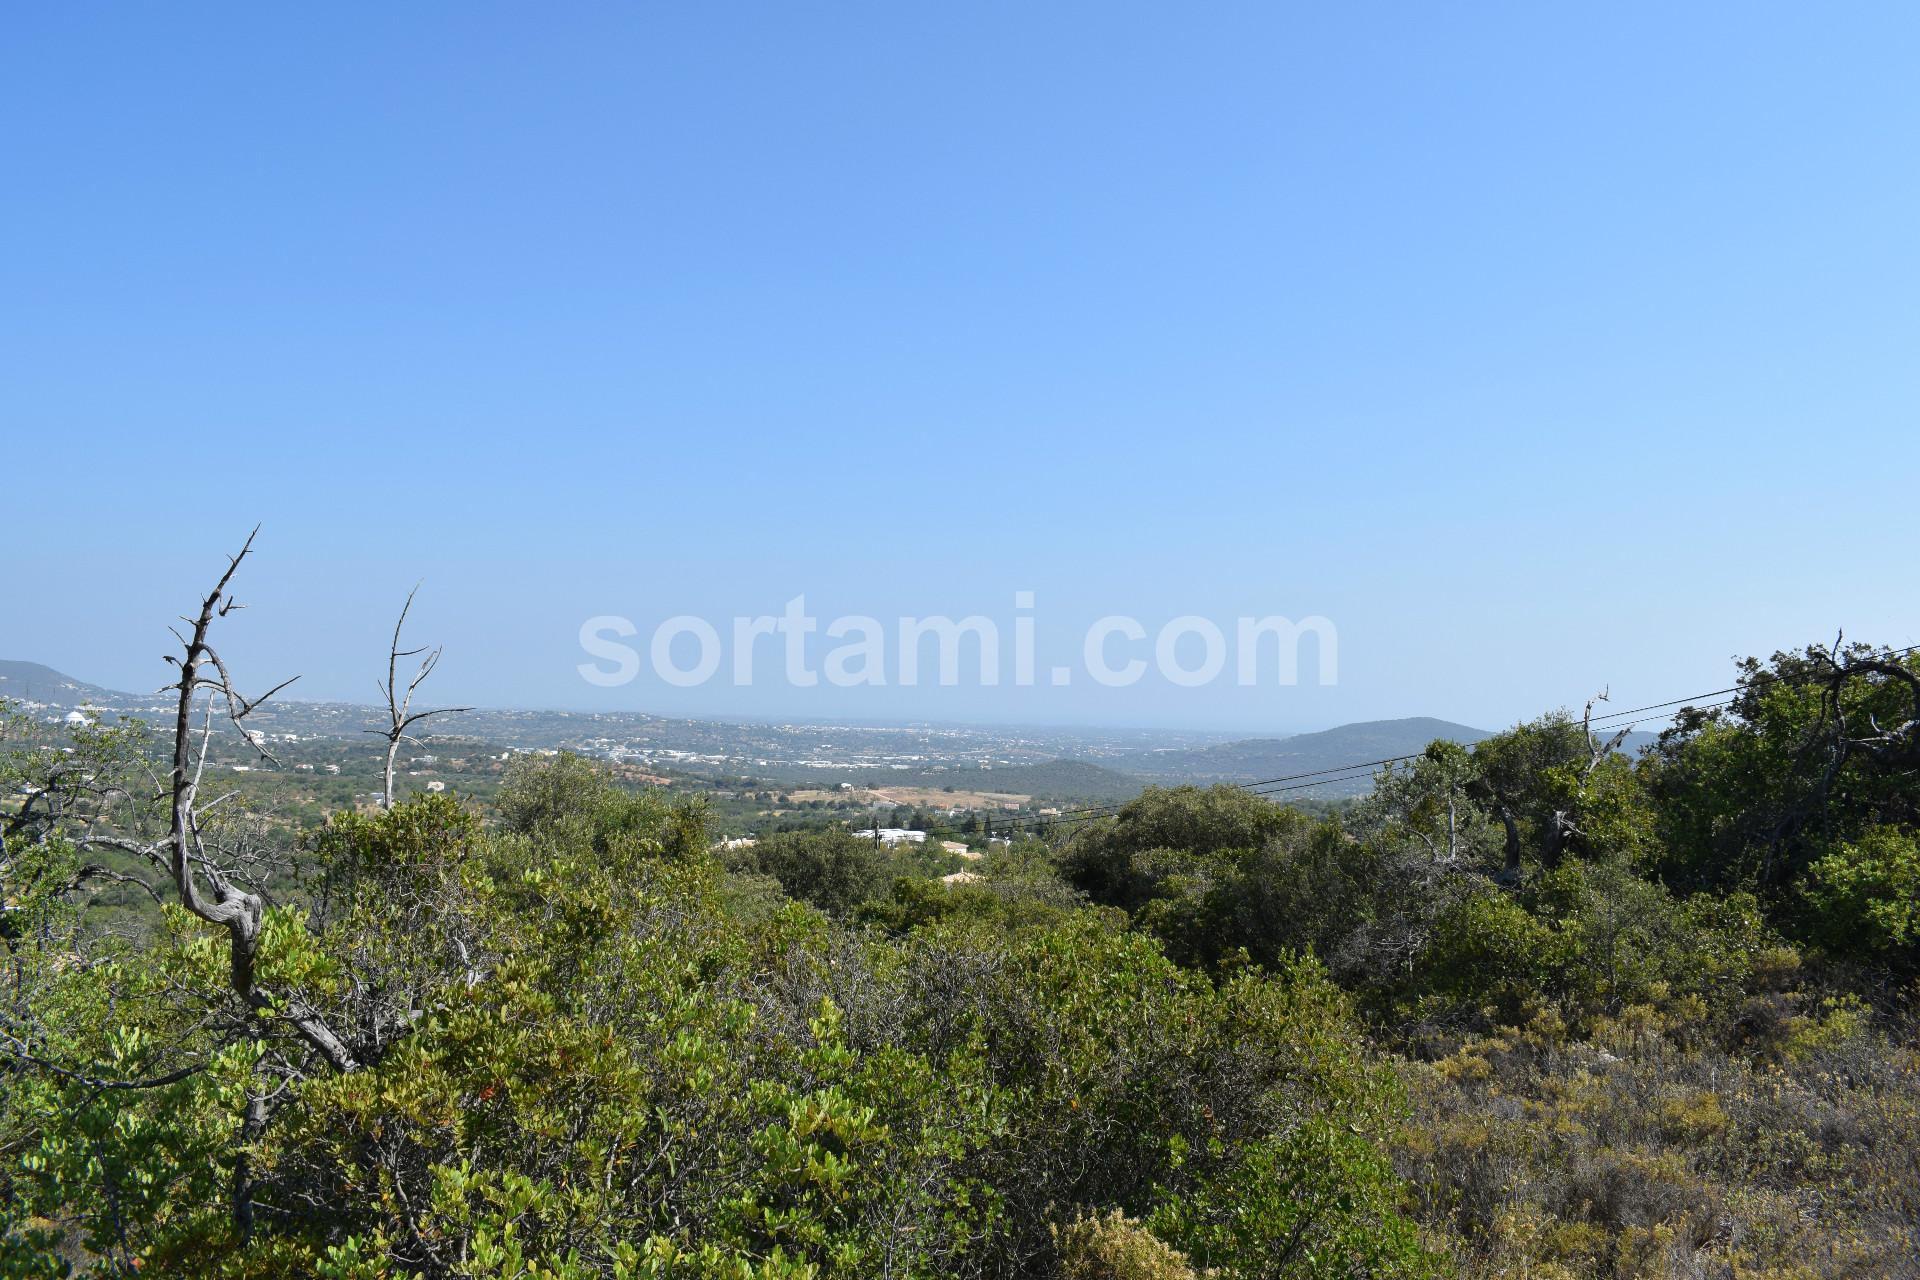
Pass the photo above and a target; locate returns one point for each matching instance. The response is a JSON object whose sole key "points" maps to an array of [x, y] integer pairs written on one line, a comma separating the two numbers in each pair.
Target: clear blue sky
{"points": [[1538, 348]]}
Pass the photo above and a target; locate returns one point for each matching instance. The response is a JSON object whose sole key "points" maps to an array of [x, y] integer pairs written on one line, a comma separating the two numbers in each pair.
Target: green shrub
{"points": [[835, 871]]}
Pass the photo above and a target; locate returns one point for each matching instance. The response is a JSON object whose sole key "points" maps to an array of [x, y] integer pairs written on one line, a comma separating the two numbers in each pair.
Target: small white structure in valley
{"points": [[893, 835]]}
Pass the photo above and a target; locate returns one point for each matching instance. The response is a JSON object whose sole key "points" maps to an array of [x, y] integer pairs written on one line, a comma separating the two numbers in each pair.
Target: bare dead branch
{"points": [[237, 911], [94, 871], [400, 715], [11, 1046]]}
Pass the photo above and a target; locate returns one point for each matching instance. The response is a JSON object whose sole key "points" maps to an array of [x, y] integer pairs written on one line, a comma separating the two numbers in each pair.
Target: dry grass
{"points": [[1640, 1153]]}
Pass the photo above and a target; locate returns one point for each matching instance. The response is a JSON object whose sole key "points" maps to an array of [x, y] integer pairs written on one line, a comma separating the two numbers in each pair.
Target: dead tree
{"points": [[1563, 824], [211, 886], [400, 716], [1850, 679], [221, 902], [186, 837], [1895, 745]]}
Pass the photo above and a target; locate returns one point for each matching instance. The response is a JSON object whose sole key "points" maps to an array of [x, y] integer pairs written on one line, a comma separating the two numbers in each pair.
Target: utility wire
{"points": [[1347, 772], [1353, 772]]}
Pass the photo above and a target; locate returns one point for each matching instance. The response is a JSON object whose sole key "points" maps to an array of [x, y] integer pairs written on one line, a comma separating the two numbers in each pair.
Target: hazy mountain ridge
{"points": [[1259, 759], [1083, 764], [33, 682]]}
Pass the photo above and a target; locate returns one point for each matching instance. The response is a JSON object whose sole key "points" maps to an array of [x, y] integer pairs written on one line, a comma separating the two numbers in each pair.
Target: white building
{"points": [[892, 835]]}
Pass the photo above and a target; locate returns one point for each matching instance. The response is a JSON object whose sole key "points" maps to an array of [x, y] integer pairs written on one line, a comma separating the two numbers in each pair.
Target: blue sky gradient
{"points": [[1540, 350]]}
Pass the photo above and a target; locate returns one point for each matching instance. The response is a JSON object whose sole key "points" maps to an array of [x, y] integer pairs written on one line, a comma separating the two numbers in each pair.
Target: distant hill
{"points": [[1257, 759], [32, 682], [789, 755]]}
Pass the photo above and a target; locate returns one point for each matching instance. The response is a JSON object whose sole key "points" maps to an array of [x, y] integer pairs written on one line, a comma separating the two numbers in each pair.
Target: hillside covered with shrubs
{"points": [[1536, 1008]]}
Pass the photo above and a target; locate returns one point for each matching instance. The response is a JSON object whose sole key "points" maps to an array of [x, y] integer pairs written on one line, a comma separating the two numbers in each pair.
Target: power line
{"points": [[1353, 772], [1348, 772], [1364, 764], [1348, 769], [1764, 678]]}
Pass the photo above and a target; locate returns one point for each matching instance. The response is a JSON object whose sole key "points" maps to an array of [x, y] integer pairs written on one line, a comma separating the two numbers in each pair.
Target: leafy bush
{"points": [[835, 871], [1863, 896]]}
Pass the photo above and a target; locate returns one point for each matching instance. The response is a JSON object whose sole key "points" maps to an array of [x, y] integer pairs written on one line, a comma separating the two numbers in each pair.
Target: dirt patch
{"points": [[919, 797]]}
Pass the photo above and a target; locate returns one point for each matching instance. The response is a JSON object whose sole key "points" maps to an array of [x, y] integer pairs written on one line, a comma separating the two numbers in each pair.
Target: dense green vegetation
{"points": [[1538, 1007]]}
